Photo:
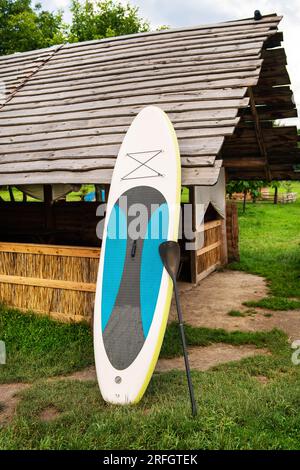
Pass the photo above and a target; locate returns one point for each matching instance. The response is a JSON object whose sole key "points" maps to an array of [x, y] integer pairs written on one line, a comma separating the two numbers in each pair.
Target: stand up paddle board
{"points": [[134, 290]]}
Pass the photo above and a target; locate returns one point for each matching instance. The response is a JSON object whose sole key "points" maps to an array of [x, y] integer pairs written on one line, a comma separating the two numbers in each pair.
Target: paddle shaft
{"points": [[184, 347]]}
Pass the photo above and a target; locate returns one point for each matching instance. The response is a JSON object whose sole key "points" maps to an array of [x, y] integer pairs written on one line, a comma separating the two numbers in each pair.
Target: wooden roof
{"points": [[67, 108]]}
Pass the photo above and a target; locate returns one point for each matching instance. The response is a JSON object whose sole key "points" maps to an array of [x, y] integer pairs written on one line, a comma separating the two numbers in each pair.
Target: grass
{"points": [[38, 347], [205, 336], [71, 197], [270, 245], [236, 313], [274, 303], [235, 412]]}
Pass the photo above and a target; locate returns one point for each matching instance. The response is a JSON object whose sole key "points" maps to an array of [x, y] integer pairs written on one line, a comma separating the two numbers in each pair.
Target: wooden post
{"points": [[49, 218], [106, 189], [11, 194], [276, 195], [224, 251], [259, 134], [232, 232], [98, 192], [193, 253]]}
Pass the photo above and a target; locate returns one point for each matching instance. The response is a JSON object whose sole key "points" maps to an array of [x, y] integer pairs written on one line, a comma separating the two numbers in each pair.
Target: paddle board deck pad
{"points": [[134, 290]]}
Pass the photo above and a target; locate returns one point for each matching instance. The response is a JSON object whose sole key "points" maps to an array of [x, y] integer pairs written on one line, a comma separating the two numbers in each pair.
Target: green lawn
{"points": [[270, 244], [71, 197], [236, 410], [38, 347]]}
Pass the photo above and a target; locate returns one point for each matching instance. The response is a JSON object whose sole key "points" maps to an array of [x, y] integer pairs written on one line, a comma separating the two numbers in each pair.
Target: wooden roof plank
{"points": [[186, 132], [40, 83], [206, 144], [227, 33], [213, 51], [188, 89], [9, 112], [107, 124], [221, 44]]}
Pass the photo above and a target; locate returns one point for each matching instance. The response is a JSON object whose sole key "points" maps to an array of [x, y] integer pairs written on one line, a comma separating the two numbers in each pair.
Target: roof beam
{"points": [[259, 134]]}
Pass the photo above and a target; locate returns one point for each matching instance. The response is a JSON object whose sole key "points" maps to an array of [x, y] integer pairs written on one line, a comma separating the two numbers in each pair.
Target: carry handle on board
{"points": [[170, 255]]}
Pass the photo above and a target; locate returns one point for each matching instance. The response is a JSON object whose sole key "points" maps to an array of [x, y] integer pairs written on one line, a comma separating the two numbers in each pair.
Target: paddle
{"points": [[170, 255]]}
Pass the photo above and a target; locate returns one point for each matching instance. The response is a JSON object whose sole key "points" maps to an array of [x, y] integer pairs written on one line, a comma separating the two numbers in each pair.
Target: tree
{"points": [[276, 185], [24, 28], [106, 18], [246, 187]]}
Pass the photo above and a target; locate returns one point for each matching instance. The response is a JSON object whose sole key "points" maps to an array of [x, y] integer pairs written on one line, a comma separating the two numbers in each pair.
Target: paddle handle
{"points": [[185, 353]]}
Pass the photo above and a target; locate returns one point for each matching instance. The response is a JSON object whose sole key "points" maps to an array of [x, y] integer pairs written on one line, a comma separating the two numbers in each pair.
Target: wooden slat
{"points": [[210, 46], [40, 82], [174, 112], [190, 176], [207, 272], [212, 224], [48, 283], [201, 176], [107, 124], [96, 106], [95, 78], [270, 21], [87, 164], [71, 90], [114, 131], [109, 101], [137, 96], [201, 38], [253, 49], [208, 248], [50, 250], [205, 144]]}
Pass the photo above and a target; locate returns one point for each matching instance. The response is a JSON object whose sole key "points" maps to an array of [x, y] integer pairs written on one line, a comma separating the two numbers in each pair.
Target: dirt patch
{"points": [[208, 304], [49, 414], [84, 375], [203, 358], [262, 379], [9, 399]]}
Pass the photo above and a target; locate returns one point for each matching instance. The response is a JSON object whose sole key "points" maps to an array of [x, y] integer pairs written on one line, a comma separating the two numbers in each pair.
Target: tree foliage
{"points": [[246, 187], [24, 28], [104, 18]]}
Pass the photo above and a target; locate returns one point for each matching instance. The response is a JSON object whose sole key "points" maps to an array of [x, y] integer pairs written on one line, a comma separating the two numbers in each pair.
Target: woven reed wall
{"points": [[52, 280]]}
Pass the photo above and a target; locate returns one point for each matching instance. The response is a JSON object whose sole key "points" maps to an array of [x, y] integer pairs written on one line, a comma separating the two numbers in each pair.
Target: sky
{"points": [[178, 13]]}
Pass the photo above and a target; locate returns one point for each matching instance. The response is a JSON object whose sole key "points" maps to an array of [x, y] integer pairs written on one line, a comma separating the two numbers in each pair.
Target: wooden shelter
{"points": [[66, 110]]}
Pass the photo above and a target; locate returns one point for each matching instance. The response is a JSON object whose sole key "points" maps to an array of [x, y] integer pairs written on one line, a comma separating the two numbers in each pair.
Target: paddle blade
{"points": [[170, 255]]}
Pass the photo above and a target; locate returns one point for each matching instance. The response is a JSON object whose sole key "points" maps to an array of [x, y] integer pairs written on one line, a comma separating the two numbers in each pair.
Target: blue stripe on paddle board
{"points": [[115, 253], [151, 264]]}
